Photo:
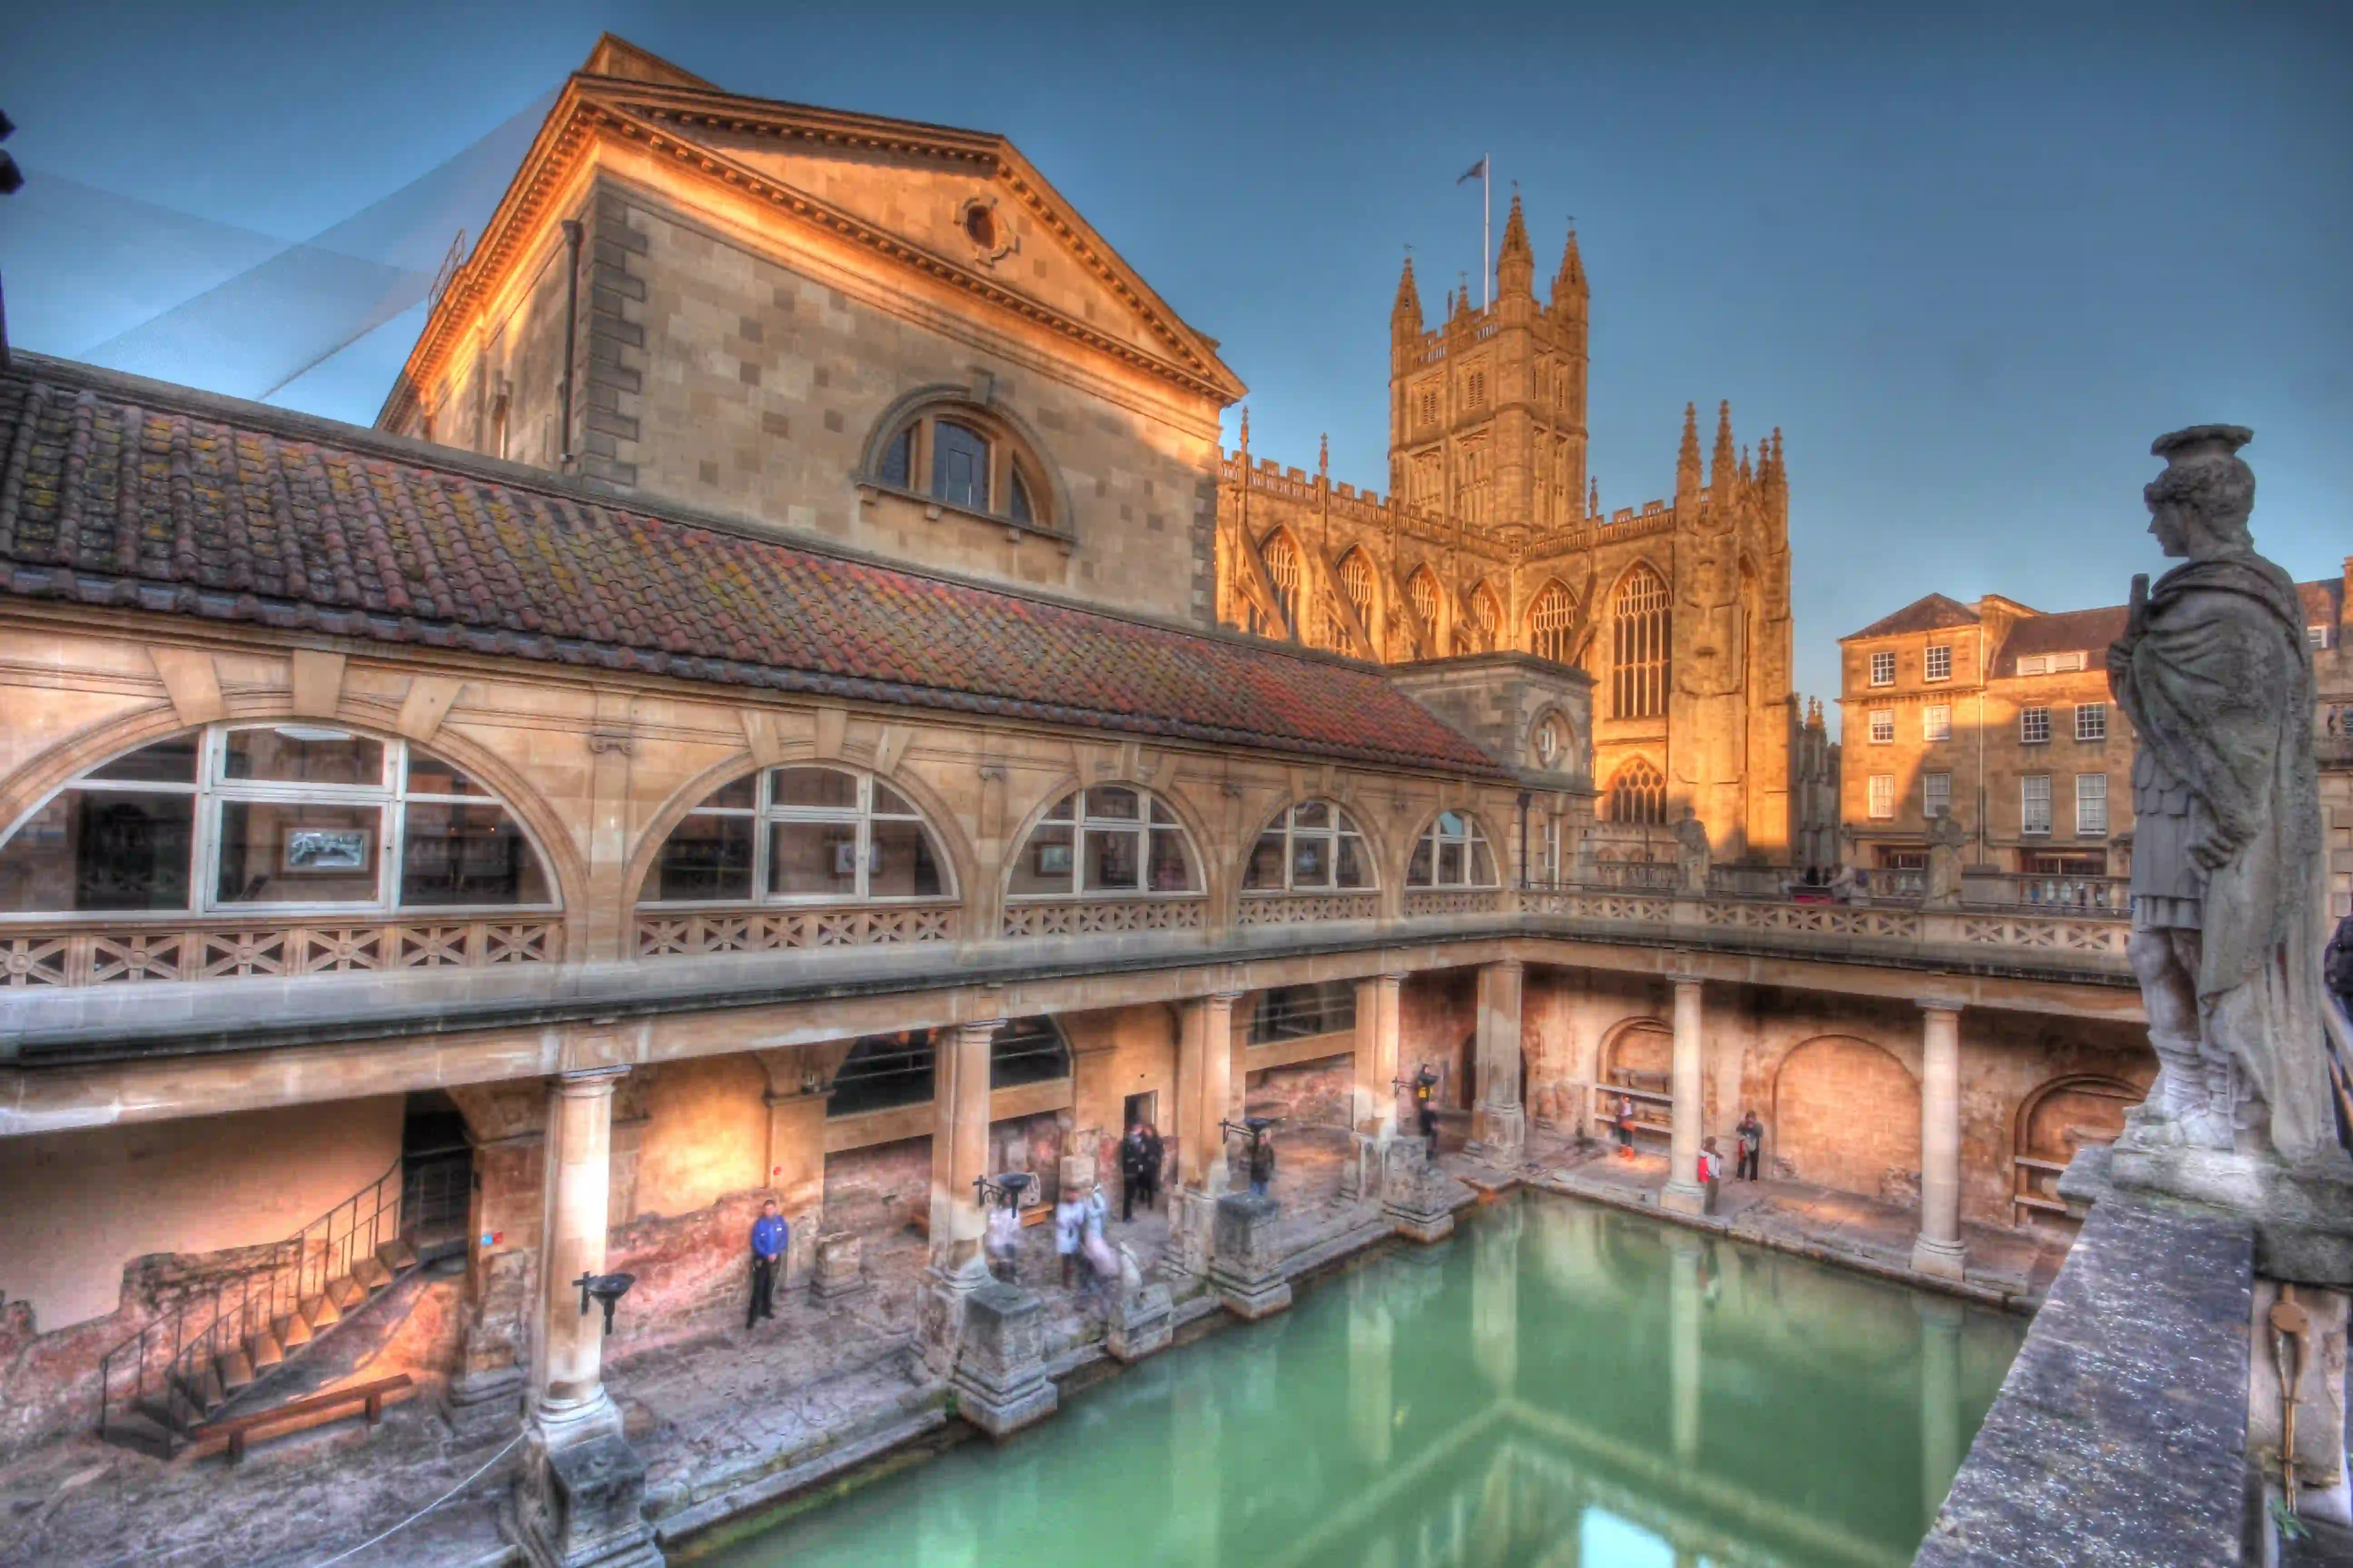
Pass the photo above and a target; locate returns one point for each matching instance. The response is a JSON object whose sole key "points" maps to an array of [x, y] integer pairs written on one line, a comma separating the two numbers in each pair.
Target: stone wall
{"points": [[878, 1189], [1438, 1025], [1317, 1093]]}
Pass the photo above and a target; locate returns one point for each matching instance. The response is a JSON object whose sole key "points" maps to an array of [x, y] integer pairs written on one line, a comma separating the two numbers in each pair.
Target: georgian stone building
{"points": [[754, 724], [1493, 537]]}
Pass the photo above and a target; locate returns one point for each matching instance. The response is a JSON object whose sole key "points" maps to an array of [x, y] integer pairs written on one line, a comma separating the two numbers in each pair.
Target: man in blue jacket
{"points": [[769, 1236]]}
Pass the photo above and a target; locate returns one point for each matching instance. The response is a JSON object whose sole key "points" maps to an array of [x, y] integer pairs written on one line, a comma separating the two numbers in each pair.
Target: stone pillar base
{"points": [[1938, 1259], [1499, 1133], [479, 1405], [1245, 1269], [839, 1269], [1687, 1197], [1000, 1380], [1417, 1198], [1140, 1325], [1192, 1223], [940, 1306], [580, 1501], [2302, 1213]]}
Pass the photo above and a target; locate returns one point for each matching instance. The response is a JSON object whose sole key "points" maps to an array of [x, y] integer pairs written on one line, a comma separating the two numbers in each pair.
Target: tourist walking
{"points": [[1425, 1105], [1155, 1155], [1752, 1146], [1262, 1164], [769, 1236], [1069, 1227], [1132, 1179], [1003, 1242], [1625, 1126]]}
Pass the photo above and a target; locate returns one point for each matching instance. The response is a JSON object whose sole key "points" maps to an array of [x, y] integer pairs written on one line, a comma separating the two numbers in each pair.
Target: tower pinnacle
{"points": [[1405, 316], [1722, 464], [1569, 291], [1687, 458], [1516, 263]]}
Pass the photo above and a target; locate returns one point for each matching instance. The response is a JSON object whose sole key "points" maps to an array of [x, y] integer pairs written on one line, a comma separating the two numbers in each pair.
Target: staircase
{"points": [[159, 1388]]}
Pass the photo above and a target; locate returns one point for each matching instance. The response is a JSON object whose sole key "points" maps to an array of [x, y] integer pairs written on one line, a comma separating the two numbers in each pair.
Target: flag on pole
{"points": [[1477, 171]]}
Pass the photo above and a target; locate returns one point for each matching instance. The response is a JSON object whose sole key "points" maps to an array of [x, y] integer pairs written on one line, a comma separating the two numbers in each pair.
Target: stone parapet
{"points": [[1141, 1322], [1246, 1259], [1000, 1378]]}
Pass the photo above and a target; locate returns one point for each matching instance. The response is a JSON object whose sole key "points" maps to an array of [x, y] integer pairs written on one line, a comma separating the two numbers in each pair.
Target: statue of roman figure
{"points": [[2214, 672]]}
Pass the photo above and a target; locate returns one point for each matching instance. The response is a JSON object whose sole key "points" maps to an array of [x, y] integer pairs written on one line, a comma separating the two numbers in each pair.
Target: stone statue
{"points": [[1691, 853], [2215, 674], [1947, 837]]}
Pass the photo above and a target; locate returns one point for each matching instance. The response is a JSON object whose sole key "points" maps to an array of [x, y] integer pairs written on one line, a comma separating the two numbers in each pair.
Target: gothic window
{"points": [[1356, 583], [1639, 793], [1488, 611], [1335, 629], [1108, 841], [966, 458], [800, 835], [1422, 589], [254, 818], [1282, 559], [1638, 663], [1549, 619], [1429, 405], [1476, 388], [1451, 853], [1313, 848]]}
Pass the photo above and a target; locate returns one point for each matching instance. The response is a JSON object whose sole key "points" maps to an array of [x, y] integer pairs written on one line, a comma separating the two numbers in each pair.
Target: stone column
{"points": [[1683, 1193], [1377, 1055], [1940, 1392], [1939, 1250], [1498, 1121], [960, 1151], [1204, 1092], [1685, 1379], [568, 1376]]}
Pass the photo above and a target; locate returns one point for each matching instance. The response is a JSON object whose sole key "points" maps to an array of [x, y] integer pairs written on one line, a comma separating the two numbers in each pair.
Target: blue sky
{"points": [[1971, 259]]}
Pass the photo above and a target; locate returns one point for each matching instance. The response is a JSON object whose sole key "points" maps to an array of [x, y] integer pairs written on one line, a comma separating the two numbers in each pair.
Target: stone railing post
{"points": [[1499, 1122], [1939, 1250]]}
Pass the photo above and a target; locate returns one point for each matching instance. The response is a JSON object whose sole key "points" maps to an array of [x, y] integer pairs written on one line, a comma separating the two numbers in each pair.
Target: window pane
{"points": [[470, 855], [1172, 869], [1354, 870], [960, 465], [904, 865], [883, 1070], [165, 761], [431, 775], [706, 857], [889, 802], [278, 853], [1450, 864], [1483, 866], [899, 459], [1064, 809], [302, 753], [813, 787], [1417, 871], [1115, 860], [1044, 865], [1314, 813], [741, 795], [1452, 826], [1265, 869], [808, 858], [1311, 860], [1112, 801], [1018, 509], [100, 849]]}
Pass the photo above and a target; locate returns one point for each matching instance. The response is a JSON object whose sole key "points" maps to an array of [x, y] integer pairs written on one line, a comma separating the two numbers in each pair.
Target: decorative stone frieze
{"points": [[180, 950], [1084, 918]]}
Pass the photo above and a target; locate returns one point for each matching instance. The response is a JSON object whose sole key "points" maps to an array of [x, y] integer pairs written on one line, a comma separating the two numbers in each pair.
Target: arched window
{"points": [[1313, 846], [1451, 853], [1282, 559], [1638, 659], [1639, 793], [1108, 841], [1356, 583], [1488, 611], [1421, 589], [1549, 618], [882, 1071], [800, 835], [272, 818], [969, 459]]}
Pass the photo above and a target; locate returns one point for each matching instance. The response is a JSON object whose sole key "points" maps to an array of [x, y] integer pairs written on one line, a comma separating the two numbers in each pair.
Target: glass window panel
{"points": [[707, 857], [303, 754], [165, 761], [1353, 866], [100, 849], [899, 459], [1483, 865], [1115, 860], [822, 787], [1063, 808], [813, 859], [741, 795], [1026, 1050], [904, 865], [889, 802], [1265, 868], [453, 855], [1311, 860], [1045, 864], [960, 465], [1162, 814], [431, 775], [279, 852], [1019, 510], [1314, 813], [1417, 871], [1109, 802], [1450, 864], [1172, 867], [1452, 826], [883, 1070]]}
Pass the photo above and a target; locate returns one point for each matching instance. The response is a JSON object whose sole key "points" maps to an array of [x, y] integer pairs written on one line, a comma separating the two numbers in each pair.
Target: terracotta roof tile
{"points": [[204, 510]]}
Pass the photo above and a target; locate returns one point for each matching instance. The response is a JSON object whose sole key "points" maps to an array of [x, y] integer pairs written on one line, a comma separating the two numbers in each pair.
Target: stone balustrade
{"points": [[116, 952], [771, 930]]}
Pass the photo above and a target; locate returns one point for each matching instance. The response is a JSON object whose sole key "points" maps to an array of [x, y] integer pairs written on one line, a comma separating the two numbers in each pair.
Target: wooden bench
{"points": [[371, 1396]]}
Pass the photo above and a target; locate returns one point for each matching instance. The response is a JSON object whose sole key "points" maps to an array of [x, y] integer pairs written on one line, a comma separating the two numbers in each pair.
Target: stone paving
{"points": [[746, 1416]]}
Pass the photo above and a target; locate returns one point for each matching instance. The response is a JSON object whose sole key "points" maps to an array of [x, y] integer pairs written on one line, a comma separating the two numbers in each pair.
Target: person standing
{"points": [[1069, 1227], [770, 1235], [1155, 1155], [1752, 1146], [1262, 1164], [1625, 1126], [1425, 1105], [1132, 1179]]}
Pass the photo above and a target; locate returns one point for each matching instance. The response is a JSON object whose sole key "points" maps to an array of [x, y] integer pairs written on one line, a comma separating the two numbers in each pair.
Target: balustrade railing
{"points": [[1088, 918], [1288, 909], [700, 932], [122, 953]]}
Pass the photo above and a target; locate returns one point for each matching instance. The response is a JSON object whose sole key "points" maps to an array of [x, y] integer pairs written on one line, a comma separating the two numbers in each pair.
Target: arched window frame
{"points": [[1421, 592], [1550, 615], [754, 798], [1327, 836], [1286, 569], [1641, 641], [1453, 852], [1356, 584], [392, 795], [1079, 820], [1487, 610], [904, 453], [1638, 793]]}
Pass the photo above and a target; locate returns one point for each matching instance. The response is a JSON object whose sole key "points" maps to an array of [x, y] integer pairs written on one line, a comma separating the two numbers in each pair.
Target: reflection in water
{"points": [[1557, 1386]]}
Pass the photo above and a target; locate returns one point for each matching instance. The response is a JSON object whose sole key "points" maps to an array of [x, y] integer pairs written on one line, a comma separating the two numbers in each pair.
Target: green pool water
{"points": [[1559, 1385]]}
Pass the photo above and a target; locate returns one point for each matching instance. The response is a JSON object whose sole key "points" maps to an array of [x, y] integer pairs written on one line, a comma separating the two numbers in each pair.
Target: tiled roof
{"points": [[141, 497], [1928, 614], [2066, 631]]}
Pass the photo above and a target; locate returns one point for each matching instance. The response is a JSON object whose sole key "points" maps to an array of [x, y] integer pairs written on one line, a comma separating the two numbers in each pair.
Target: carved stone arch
{"points": [[947, 830], [1379, 844], [1426, 606], [941, 395], [2027, 1133], [1485, 608], [1641, 609], [1219, 881], [1576, 756], [1499, 845], [1636, 793], [1294, 578], [1551, 621], [1846, 1114], [31, 785], [1354, 570]]}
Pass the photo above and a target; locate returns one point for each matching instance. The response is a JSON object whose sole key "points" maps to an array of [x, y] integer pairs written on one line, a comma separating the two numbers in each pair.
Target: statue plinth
{"points": [[2302, 1209]]}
